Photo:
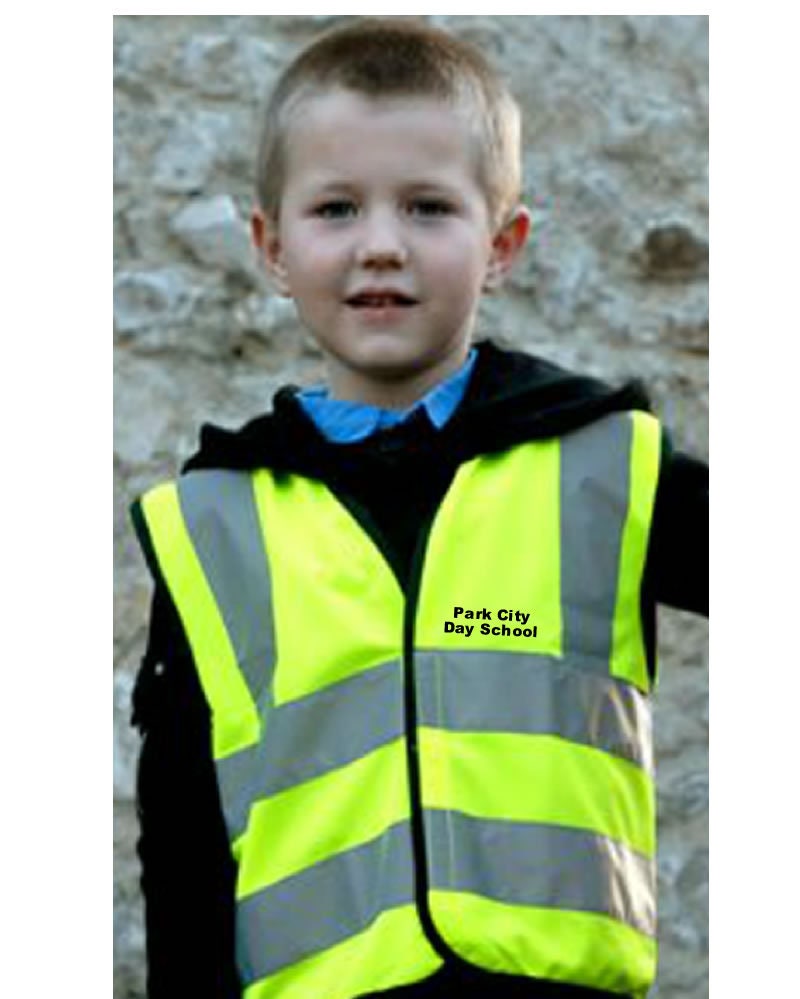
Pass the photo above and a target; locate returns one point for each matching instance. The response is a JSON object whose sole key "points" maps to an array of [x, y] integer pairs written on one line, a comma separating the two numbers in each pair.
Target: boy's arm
{"points": [[678, 556], [187, 870]]}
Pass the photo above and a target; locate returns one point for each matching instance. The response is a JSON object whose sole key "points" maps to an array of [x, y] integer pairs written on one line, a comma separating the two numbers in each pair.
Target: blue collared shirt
{"points": [[344, 422]]}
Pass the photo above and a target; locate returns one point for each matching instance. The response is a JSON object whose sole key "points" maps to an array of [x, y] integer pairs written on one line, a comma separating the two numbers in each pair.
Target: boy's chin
{"points": [[390, 379]]}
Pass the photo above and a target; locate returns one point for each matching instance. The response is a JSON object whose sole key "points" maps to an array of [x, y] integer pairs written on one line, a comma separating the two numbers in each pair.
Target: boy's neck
{"points": [[389, 393]]}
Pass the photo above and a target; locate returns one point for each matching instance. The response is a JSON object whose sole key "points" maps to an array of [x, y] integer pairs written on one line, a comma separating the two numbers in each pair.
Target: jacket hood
{"points": [[511, 397]]}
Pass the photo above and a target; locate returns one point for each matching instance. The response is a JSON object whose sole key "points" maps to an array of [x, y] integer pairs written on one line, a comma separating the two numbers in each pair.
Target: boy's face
{"points": [[384, 240]]}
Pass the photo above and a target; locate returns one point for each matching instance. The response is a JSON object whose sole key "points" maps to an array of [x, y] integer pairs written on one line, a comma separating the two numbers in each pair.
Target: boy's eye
{"points": [[338, 209], [430, 207]]}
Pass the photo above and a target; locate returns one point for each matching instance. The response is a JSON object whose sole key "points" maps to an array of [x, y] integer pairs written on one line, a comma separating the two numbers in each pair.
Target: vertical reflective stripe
{"points": [[236, 721], [324, 904], [220, 513], [628, 656], [595, 472], [542, 865]]}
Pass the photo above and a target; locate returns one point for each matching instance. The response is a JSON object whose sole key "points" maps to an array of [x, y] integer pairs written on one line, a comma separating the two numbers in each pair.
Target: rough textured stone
{"points": [[184, 163], [225, 66], [216, 235], [126, 742], [686, 796], [263, 315], [673, 252], [150, 298], [614, 283]]}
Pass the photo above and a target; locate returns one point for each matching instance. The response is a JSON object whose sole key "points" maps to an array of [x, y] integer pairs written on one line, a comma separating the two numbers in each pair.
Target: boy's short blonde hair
{"points": [[387, 58]]}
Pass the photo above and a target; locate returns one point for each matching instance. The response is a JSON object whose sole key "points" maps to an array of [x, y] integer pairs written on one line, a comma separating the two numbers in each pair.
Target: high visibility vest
{"points": [[395, 784]]}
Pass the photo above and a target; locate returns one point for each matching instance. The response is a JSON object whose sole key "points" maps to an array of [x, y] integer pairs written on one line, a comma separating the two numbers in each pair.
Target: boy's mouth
{"points": [[380, 299]]}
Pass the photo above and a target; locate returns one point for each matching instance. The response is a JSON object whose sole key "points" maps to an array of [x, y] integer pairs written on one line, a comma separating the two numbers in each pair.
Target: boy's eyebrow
{"points": [[414, 182], [431, 187], [311, 191], [315, 190], [314, 183], [422, 185]]}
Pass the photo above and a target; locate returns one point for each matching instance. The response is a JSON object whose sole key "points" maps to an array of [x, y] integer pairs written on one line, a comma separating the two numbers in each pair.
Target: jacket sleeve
{"points": [[678, 554], [187, 872]]}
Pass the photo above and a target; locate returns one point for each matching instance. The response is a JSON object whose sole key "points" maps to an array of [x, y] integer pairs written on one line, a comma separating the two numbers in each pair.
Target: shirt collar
{"points": [[344, 422]]}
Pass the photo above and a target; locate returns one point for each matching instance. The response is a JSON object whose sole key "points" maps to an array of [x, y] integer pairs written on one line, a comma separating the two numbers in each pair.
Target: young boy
{"points": [[396, 694]]}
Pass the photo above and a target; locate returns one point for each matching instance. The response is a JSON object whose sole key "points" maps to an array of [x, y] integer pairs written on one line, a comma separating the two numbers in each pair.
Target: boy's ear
{"points": [[264, 231], [507, 245]]}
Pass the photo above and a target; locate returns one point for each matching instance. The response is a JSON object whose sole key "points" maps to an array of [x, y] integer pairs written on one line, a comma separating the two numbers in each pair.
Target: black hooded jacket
{"points": [[392, 483]]}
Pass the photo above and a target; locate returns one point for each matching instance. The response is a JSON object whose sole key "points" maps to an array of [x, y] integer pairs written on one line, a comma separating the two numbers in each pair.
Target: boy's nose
{"points": [[381, 244]]}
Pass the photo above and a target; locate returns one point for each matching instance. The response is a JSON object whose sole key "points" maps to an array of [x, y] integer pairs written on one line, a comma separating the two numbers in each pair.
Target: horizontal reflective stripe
{"points": [[323, 817], [538, 778], [595, 476], [541, 865], [324, 904], [459, 691], [311, 737], [540, 695], [220, 512], [392, 951]]}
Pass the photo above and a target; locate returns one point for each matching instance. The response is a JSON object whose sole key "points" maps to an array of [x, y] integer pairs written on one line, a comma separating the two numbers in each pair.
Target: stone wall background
{"points": [[614, 283]]}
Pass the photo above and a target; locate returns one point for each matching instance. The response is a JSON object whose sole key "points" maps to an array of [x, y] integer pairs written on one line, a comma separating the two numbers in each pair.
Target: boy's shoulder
{"points": [[512, 396], [263, 441], [517, 396]]}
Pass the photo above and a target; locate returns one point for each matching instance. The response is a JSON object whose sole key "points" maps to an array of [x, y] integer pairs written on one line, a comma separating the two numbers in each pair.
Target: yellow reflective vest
{"points": [[466, 767]]}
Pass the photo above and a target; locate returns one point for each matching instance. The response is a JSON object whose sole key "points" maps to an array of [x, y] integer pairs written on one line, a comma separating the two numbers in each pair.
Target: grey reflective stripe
{"points": [[312, 736], [595, 480], [220, 513], [541, 695], [324, 904], [558, 867]]}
